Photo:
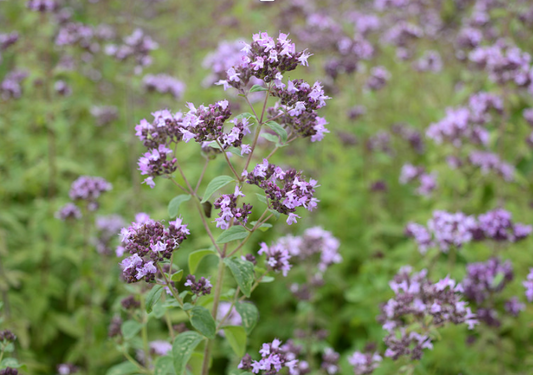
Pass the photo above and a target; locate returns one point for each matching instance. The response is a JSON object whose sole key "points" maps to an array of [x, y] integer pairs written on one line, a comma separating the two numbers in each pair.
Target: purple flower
{"points": [[89, 189], [379, 76], [160, 347], [104, 115], [528, 284], [514, 306], [483, 279], [274, 358], [10, 88], [68, 211], [228, 210], [277, 257], [202, 287], [364, 364], [164, 84]]}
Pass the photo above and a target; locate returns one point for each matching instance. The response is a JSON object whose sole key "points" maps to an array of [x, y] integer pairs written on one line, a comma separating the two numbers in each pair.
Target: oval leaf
{"points": [[124, 368], [130, 328], [177, 276], [215, 184], [234, 233], [152, 297], [236, 336], [257, 88], [249, 315], [270, 137], [164, 366], [243, 272], [182, 349], [202, 320], [278, 129], [196, 257], [174, 205]]}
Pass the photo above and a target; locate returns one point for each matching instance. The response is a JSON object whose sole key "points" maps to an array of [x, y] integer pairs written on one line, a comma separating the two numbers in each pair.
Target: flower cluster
{"points": [[488, 161], [160, 347], [67, 369], [264, 58], [104, 115], [528, 284], [68, 211], [330, 361], [42, 5], [7, 40], [108, 227], [164, 84], [314, 242], [455, 229], [427, 181], [364, 364], [429, 62], [10, 88], [227, 204], [9, 371], [486, 278], [155, 163], [200, 287], [7, 336], [137, 46], [379, 76], [417, 297], [306, 124], [149, 241], [277, 257], [294, 192], [274, 357], [89, 189]]}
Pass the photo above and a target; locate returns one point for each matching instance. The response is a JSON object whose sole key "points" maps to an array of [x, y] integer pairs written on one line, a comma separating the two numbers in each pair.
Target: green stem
{"points": [[144, 331]]}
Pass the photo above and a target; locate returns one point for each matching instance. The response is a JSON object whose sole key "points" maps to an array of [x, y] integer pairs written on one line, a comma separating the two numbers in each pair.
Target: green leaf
{"points": [[164, 366], [270, 137], [267, 279], [247, 115], [124, 368], [236, 232], [278, 129], [202, 320], [11, 362], [196, 257], [263, 227], [130, 328], [262, 198], [257, 88], [235, 151], [182, 349], [249, 315], [497, 279], [174, 205], [276, 213], [243, 272], [176, 276], [236, 336], [152, 297], [188, 306], [215, 184]]}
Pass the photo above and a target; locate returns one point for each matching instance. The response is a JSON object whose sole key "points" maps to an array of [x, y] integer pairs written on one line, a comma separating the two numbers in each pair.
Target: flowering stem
{"points": [[216, 299], [258, 130], [139, 366], [201, 177], [257, 225], [228, 161], [230, 309], [144, 332], [176, 296]]}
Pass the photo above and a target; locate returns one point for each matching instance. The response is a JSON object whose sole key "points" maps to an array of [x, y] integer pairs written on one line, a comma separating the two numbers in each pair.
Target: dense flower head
{"points": [[164, 84], [9, 371], [457, 127], [265, 58], [417, 297], [130, 303], [528, 115], [430, 61], [513, 306], [488, 161], [156, 162], [528, 284], [273, 359], [89, 189], [314, 242], [486, 278], [364, 363], [298, 96], [379, 76], [104, 115], [137, 45], [411, 135], [7, 336], [277, 257], [163, 130], [107, 228], [306, 124], [227, 55], [10, 88], [67, 369], [200, 287], [42, 5], [498, 226], [227, 204], [77, 33], [427, 181], [330, 361], [294, 191], [7, 40], [160, 347], [68, 211], [113, 329], [356, 111], [149, 241]]}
